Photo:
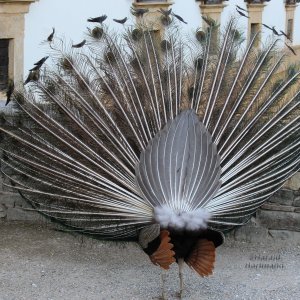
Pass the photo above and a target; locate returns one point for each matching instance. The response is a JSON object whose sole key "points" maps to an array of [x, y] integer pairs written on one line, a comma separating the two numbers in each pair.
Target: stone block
{"points": [[8, 189], [293, 183], [19, 214], [286, 235], [251, 234], [10, 199], [297, 202], [2, 211], [20, 202], [279, 220], [283, 197], [277, 207]]}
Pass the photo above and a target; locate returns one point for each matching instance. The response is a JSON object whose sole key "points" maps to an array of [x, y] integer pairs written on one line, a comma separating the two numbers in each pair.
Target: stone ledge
{"points": [[15, 6], [2, 211], [297, 201], [17, 1], [294, 182], [283, 197], [254, 7], [279, 220], [154, 4], [212, 8], [19, 214], [290, 7], [276, 207], [250, 234], [12, 200]]}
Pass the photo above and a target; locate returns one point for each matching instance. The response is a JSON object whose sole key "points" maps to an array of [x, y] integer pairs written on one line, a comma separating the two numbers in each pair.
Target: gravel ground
{"points": [[37, 262]]}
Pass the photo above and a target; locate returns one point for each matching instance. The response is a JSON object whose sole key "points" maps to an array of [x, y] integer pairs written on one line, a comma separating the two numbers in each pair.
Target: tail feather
{"points": [[75, 137]]}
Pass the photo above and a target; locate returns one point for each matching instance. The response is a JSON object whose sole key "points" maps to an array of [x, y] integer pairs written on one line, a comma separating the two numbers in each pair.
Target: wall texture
{"points": [[14, 208], [279, 218]]}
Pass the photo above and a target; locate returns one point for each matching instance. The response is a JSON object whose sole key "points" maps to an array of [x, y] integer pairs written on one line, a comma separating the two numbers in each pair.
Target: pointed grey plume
{"points": [[180, 168]]}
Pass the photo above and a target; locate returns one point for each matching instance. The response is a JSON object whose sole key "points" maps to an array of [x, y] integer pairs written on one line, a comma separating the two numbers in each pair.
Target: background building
{"points": [[12, 25]]}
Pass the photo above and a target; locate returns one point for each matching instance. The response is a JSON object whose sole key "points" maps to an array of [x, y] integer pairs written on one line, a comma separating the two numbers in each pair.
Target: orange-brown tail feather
{"points": [[202, 258], [164, 255]]}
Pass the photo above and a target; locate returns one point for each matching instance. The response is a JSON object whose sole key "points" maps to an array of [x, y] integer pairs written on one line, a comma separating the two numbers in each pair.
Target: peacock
{"points": [[158, 137]]}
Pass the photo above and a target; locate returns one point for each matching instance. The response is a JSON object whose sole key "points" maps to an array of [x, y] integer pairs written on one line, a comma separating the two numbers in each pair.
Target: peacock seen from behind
{"points": [[158, 138]]}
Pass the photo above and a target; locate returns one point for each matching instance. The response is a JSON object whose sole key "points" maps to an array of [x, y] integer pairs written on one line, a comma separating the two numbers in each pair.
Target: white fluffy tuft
{"points": [[191, 220]]}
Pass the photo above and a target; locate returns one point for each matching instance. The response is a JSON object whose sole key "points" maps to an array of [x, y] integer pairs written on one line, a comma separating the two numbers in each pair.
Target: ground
{"points": [[39, 263]]}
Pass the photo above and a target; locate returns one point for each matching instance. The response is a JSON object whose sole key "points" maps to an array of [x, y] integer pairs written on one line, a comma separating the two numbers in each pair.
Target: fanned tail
{"points": [[74, 138]]}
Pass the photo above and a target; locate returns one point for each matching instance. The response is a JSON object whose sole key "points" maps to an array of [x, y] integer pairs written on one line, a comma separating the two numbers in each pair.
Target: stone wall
{"points": [[281, 215], [279, 218], [14, 208]]}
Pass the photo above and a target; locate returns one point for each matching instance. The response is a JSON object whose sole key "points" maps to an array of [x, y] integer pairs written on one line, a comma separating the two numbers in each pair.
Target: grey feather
{"points": [[148, 234], [180, 167]]}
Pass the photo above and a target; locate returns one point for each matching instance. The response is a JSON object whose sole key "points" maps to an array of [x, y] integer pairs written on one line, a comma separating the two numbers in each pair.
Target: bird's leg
{"points": [[163, 283], [180, 265]]}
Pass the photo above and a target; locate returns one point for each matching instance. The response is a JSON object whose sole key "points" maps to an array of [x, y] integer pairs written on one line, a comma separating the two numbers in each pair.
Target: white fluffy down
{"points": [[192, 220]]}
